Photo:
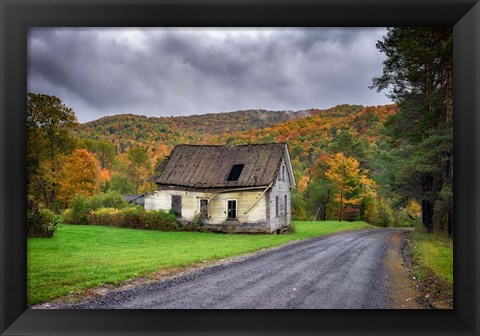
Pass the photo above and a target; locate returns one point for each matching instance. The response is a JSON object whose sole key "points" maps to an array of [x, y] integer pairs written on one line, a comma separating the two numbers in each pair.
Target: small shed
{"points": [[243, 188], [135, 198]]}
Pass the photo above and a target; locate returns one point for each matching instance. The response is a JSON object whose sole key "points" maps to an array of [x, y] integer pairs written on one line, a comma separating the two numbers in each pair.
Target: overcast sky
{"points": [[180, 71]]}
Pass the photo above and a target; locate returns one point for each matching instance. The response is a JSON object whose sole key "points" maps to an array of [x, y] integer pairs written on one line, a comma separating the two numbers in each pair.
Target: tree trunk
{"points": [[324, 206], [430, 93], [449, 90], [53, 166], [44, 190], [450, 222], [449, 182], [340, 210], [427, 215], [427, 204], [52, 193]]}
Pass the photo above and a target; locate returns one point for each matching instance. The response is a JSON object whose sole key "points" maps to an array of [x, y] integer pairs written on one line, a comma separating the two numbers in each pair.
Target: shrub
{"points": [[351, 214], [402, 219], [133, 217], [41, 222], [106, 216], [160, 220], [78, 211], [67, 216], [111, 199], [82, 206], [291, 228], [386, 215]]}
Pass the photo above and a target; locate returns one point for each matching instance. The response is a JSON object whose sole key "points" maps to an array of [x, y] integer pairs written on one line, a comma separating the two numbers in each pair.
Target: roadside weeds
{"points": [[411, 285], [434, 292]]}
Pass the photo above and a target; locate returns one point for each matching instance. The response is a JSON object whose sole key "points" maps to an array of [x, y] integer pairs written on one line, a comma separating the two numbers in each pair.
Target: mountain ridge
{"points": [[311, 129]]}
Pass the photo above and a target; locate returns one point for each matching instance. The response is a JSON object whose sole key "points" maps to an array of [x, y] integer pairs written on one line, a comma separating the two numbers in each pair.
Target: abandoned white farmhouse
{"points": [[227, 188]]}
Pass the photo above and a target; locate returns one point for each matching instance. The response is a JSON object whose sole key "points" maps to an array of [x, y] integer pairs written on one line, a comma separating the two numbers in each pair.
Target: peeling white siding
{"points": [[217, 211], [280, 189]]}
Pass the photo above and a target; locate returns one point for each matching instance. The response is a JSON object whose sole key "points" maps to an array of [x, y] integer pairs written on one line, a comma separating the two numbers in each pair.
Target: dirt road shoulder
{"points": [[407, 290]]}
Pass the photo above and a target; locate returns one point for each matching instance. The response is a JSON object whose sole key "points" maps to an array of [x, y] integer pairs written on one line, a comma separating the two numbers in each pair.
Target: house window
{"points": [[235, 172], [203, 205], [283, 173], [231, 209], [277, 212], [286, 205], [177, 205]]}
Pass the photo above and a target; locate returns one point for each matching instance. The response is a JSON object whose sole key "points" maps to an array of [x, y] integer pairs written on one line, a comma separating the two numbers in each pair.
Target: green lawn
{"points": [[435, 254], [81, 256]]}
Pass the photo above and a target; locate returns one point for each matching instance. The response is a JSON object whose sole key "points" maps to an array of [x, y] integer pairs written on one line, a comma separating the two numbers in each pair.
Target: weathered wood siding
{"points": [[281, 188], [253, 221]]}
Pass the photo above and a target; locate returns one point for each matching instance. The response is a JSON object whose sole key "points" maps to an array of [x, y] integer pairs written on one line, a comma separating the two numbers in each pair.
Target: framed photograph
{"points": [[19, 19]]}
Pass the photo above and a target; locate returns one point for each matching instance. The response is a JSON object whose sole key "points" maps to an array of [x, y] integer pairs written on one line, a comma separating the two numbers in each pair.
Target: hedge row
{"points": [[110, 209], [82, 206], [134, 218]]}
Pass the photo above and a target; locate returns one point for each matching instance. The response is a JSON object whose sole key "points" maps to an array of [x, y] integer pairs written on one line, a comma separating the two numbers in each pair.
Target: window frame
{"points": [[205, 215], [227, 209]]}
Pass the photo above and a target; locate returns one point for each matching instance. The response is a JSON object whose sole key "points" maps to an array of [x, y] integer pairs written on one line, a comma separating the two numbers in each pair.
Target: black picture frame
{"points": [[18, 16]]}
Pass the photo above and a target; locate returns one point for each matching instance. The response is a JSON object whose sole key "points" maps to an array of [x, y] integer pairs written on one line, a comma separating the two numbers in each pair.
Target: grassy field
{"points": [[80, 257], [434, 254]]}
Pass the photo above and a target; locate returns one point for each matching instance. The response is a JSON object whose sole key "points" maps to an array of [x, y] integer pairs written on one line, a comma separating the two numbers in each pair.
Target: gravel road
{"points": [[341, 271]]}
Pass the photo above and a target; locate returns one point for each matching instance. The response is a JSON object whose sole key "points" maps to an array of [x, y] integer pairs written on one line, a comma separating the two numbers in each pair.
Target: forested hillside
{"points": [[305, 131], [130, 130]]}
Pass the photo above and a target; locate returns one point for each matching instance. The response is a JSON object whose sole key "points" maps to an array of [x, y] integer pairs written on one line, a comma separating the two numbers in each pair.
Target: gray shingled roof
{"points": [[208, 166]]}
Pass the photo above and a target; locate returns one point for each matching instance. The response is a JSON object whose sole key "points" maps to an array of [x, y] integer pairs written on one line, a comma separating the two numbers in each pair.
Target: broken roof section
{"points": [[131, 197], [209, 166]]}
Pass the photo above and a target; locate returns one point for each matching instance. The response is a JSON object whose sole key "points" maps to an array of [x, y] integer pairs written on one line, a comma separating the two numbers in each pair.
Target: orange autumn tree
{"points": [[104, 178], [79, 175], [351, 184]]}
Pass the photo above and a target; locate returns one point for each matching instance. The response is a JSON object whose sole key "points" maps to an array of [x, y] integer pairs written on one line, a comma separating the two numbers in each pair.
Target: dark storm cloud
{"points": [[175, 71]]}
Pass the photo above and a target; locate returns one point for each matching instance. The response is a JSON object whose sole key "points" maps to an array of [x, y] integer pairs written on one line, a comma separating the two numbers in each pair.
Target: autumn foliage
{"points": [[119, 153], [79, 175]]}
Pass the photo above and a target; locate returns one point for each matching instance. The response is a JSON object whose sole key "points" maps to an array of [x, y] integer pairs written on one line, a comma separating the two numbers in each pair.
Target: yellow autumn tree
{"points": [[79, 175], [370, 199], [352, 185]]}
